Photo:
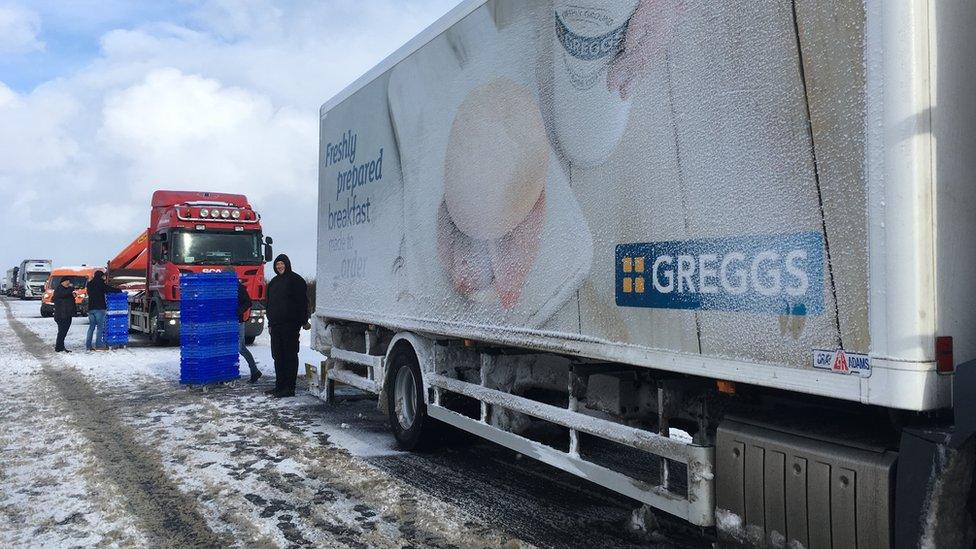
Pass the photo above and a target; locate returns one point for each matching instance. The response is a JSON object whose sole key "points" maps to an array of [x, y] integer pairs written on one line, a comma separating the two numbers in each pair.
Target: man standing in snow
{"points": [[64, 311], [97, 288], [287, 313]]}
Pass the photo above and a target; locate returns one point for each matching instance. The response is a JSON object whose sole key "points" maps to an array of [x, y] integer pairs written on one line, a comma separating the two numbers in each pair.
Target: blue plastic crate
{"points": [[117, 319], [209, 329], [191, 328], [209, 341]]}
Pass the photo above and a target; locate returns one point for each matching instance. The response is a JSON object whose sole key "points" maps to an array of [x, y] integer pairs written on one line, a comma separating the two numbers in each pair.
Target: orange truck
{"points": [[79, 277]]}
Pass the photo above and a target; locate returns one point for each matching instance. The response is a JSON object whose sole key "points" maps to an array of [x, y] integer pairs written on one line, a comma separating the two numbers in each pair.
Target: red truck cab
{"points": [[191, 232]]}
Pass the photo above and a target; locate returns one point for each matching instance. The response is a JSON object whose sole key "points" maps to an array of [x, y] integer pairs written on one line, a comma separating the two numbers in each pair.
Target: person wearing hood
{"points": [[97, 288], [287, 312], [64, 311]]}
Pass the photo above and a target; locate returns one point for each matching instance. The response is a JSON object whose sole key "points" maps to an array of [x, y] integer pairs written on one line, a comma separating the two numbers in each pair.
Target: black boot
{"points": [[255, 376]]}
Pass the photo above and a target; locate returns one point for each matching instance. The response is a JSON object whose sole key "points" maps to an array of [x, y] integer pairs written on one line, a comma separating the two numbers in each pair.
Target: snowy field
{"points": [[108, 449]]}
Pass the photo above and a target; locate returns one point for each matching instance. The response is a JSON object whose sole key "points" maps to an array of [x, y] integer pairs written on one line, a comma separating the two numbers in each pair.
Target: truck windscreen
{"points": [[216, 248], [37, 277]]}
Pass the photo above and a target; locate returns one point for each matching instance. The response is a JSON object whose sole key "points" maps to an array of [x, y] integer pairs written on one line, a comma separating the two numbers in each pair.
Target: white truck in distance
{"points": [[717, 257], [31, 277], [9, 281]]}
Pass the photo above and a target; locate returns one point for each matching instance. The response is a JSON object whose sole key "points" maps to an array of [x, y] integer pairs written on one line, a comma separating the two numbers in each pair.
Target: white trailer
{"points": [[9, 281], [31, 276], [717, 257]]}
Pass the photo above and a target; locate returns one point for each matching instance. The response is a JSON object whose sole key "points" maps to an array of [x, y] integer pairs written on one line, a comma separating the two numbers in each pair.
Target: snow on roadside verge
{"points": [[51, 492]]}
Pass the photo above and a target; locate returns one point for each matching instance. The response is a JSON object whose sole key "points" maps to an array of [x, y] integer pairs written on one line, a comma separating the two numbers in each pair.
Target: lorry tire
{"points": [[249, 340], [405, 401], [155, 337]]}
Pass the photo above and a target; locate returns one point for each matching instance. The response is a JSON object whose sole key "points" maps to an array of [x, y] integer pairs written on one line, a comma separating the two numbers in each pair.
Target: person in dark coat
{"points": [[97, 288], [64, 311], [287, 312], [244, 304]]}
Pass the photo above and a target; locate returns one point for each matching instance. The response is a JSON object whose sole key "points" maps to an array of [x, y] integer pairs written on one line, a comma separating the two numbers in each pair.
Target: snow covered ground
{"points": [[107, 448]]}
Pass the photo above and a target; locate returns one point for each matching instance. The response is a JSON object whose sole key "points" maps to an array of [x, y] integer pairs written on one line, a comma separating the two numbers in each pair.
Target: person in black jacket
{"points": [[97, 288], [287, 312], [64, 311], [244, 304]]}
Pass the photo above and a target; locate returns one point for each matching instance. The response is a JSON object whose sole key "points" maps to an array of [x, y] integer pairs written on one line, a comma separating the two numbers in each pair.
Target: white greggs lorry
{"points": [[716, 256]]}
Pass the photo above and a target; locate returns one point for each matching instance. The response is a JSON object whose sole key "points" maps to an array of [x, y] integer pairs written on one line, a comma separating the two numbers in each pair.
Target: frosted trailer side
{"points": [[485, 185], [760, 192]]}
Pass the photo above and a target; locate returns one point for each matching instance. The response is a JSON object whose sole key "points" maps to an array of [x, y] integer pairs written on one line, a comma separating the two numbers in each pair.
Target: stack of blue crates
{"points": [[117, 319], [208, 328]]}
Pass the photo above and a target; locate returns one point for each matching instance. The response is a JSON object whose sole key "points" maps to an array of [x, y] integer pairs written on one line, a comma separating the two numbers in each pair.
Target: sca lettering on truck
{"points": [[773, 274]]}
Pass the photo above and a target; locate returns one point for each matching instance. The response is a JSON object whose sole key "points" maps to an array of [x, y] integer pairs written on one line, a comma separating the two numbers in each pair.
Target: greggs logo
{"points": [[758, 274], [590, 48]]}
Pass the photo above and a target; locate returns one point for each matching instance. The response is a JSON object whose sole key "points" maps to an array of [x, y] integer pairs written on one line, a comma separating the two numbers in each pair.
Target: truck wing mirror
{"points": [[268, 253], [268, 240], [158, 237]]}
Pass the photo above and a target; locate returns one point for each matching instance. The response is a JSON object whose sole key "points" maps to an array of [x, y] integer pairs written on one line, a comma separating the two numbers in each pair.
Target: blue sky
{"points": [[70, 32], [103, 102]]}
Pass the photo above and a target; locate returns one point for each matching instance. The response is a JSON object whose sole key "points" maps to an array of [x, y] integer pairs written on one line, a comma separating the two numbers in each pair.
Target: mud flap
{"points": [[935, 475]]}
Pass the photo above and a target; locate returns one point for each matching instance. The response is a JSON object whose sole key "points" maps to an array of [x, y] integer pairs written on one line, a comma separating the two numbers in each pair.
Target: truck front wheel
{"points": [[405, 401], [155, 335]]}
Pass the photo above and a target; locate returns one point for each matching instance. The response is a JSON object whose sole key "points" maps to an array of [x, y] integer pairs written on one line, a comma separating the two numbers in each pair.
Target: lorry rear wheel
{"points": [[249, 340], [405, 401]]}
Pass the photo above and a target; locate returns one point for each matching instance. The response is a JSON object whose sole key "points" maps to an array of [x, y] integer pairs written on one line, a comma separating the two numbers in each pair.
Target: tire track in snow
{"points": [[169, 517]]}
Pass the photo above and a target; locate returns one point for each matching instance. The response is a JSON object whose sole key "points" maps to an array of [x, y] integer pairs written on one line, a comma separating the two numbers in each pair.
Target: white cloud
{"points": [[225, 102], [33, 136], [192, 131], [19, 30], [231, 19]]}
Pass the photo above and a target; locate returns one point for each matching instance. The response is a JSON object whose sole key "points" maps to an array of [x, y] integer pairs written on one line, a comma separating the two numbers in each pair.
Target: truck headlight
{"points": [[225, 214], [204, 212], [236, 214]]}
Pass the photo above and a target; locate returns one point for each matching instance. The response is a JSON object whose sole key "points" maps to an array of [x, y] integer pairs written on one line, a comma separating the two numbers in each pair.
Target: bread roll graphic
{"points": [[490, 222], [497, 160]]}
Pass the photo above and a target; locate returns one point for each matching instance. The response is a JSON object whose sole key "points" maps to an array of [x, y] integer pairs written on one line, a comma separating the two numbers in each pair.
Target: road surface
{"points": [[107, 448]]}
